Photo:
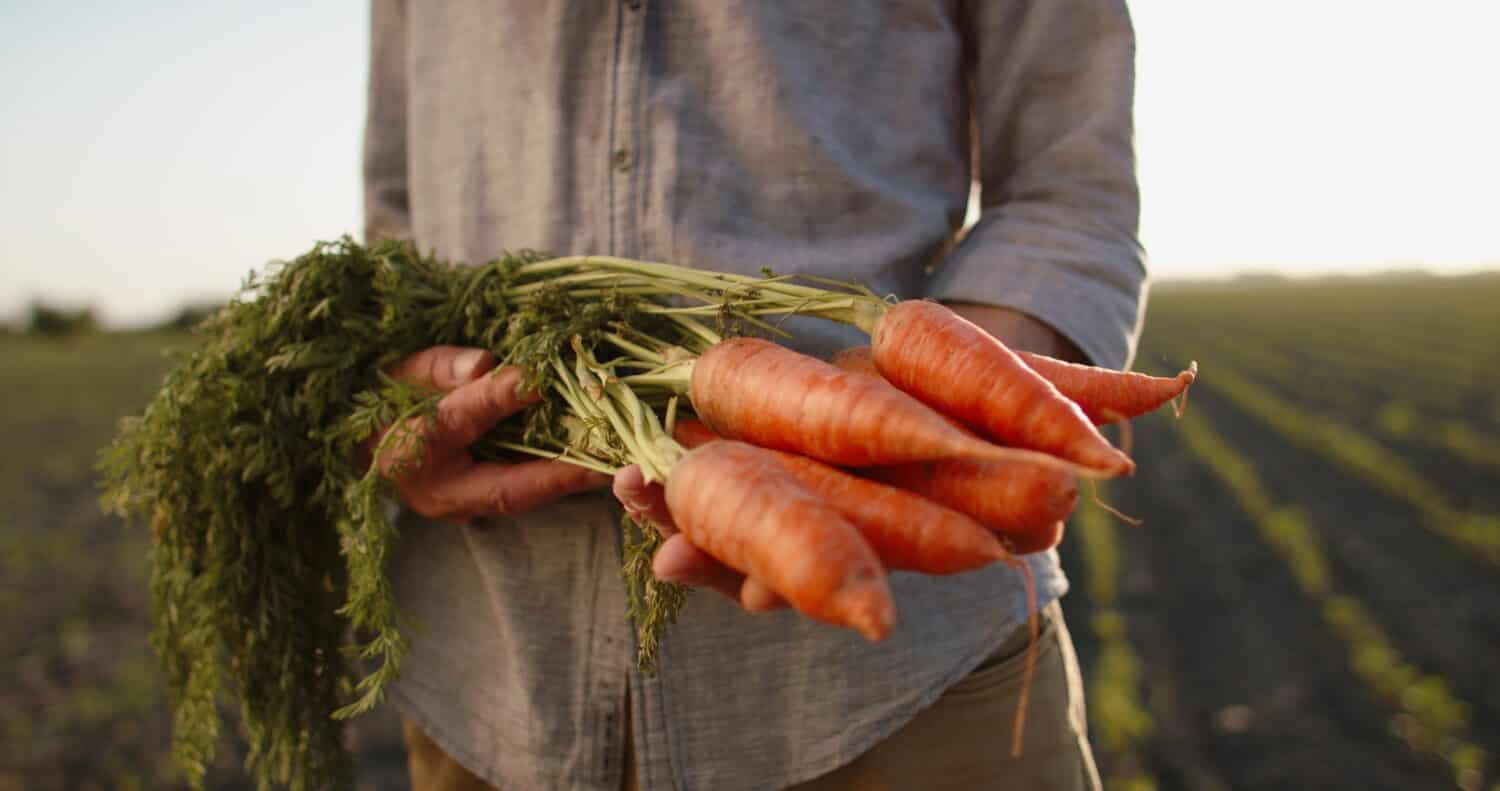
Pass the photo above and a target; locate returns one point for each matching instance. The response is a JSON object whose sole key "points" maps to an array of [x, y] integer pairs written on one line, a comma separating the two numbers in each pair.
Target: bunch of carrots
{"points": [[936, 449]]}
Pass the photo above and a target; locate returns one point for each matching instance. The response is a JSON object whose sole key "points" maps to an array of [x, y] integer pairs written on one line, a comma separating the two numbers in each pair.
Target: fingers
{"points": [[469, 410], [488, 489], [677, 560], [465, 414], [443, 367], [474, 403], [756, 597], [644, 501]]}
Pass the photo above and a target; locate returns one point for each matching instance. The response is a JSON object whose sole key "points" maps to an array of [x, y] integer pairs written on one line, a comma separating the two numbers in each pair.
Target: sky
{"points": [[154, 156]]}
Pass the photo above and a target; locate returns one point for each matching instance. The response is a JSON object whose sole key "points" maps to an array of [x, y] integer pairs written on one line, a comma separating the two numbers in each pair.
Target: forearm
{"points": [[1019, 330]]}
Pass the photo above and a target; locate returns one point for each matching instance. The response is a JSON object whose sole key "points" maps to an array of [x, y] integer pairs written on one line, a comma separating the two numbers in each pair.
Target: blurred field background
{"points": [[1312, 602], [82, 703]]}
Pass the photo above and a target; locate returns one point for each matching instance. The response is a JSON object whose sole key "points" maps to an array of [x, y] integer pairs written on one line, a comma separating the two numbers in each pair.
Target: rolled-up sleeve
{"points": [[387, 200], [1053, 92]]}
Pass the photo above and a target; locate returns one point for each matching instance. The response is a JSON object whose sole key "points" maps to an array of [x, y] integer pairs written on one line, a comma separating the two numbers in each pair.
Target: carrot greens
{"points": [[271, 541]]}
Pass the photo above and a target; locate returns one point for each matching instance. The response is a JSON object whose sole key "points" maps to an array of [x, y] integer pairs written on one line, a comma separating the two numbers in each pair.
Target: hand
{"points": [[447, 483], [677, 560]]}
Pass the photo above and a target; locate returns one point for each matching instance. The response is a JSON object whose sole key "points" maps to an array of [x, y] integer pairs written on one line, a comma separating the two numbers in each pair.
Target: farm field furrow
{"points": [[1449, 319], [1348, 341], [1438, 599], [1429, 716], [1476, 532], [1439, 605], [1356, 342], [1397, 411], [1360, 382], [1463, 461], [1122, 724], [1264, 688], [1453, 351], [1454, 456], [1173, 749], [1456, 437], [1349, 387]]}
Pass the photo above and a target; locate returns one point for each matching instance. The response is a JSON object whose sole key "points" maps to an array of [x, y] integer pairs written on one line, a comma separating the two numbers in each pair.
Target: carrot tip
{"points": [[1187, 377], [871, 613]]}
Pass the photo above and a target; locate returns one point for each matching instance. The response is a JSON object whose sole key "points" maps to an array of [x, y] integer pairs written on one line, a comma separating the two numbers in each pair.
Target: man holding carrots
{"points": [[838, 142]]}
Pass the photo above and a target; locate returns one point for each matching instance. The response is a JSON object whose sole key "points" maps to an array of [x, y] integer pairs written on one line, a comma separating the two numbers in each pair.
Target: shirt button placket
{"points": [[613, 656], [622, 153]]}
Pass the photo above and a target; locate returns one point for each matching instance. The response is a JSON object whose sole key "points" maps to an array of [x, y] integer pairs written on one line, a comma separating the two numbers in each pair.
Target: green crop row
{"points": [[1427, 340], [1122, 723], [1402, 418], [1348, 377], [1352, 451], [1217, 352], [1436, 321], [1429, 718]]}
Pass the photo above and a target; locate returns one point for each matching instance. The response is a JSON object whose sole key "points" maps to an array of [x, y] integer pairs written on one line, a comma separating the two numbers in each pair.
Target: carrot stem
{"points": [[564, 455], [676, 377], [1018, 730], [636, 424], [697, 328], [672, 415], [1111, 510]]}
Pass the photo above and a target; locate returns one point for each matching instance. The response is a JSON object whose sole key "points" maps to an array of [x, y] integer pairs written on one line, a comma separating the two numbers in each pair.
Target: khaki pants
{"points": [[963, 741]]}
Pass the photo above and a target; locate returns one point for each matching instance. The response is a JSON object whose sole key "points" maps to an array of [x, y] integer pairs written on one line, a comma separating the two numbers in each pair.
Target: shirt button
{"points": [[621, 159]]}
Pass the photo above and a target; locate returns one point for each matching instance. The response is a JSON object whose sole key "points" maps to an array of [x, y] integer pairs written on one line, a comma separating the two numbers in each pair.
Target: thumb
{"points": [[643, 500], [677, 560]]}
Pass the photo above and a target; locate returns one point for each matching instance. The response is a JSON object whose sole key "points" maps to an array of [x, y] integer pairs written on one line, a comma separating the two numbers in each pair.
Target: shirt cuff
{"points": [[1090, 291]]}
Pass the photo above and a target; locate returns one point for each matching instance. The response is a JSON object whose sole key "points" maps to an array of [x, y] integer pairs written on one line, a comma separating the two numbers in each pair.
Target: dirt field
{"points": [[1292, 500], [83, 703], [1313, 602]]}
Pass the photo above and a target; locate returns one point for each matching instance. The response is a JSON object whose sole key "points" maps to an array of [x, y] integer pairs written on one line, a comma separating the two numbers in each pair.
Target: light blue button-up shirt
{"points": [[837, 139]]}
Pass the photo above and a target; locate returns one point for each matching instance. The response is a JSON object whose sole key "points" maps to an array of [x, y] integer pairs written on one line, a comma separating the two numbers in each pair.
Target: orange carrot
{"points": [[1022, 502], [738, 504], [1104, 394], [756, 391], [959, 369], [907, 531], [1019, 501], [1107, 395]]}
